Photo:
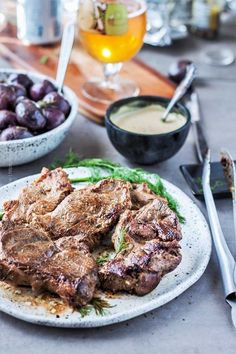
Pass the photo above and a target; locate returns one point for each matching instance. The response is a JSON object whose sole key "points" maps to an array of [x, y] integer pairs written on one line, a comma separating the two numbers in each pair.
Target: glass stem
{"points": [[111, 70]]}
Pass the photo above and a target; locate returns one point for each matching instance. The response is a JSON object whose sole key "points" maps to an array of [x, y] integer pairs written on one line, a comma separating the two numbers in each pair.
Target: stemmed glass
{"points": [[112, 32]]}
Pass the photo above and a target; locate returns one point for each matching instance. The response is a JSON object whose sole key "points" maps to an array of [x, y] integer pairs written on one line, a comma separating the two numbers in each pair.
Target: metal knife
{"points": [[199, 137], [230, 175], [226, 260]]}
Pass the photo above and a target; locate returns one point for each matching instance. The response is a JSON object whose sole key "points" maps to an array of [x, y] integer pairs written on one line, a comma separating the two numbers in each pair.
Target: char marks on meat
{"points": [[89, 212], [40, 197], [48, 233], [65, 267], [151, 236]]}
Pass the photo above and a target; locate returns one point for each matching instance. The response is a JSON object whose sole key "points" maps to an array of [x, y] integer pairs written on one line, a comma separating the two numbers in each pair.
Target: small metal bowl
{"points": [[143, 148]]}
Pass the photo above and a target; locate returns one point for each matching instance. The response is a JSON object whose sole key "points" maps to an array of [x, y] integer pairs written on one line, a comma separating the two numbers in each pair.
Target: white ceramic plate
{"points": [[196, 250]]}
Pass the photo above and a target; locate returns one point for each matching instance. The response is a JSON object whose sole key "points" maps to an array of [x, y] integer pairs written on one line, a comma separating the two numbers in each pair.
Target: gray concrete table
{"points": [[198, 321]]}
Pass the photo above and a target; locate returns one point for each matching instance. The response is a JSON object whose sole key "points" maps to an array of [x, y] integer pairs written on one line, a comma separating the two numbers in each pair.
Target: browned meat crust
{"points": [[65, 267], [141, 195], [89, 212], [47, 236], [30, 256], [40, 197], [151, 237]]}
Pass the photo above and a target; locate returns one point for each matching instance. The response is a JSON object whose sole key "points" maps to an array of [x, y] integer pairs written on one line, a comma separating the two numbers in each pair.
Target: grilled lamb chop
{"points": [[65, 267], [88, 212], [47, 235], [46, 232], [40, 197], [150, 249]]}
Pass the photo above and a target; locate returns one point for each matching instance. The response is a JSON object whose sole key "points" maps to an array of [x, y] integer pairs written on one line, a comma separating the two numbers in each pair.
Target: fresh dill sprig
{"points": [[100, 306], [199, 184], [104, 257], [102, 163], [71, 160], [120, 243], [215, 184], [97, 304], [218, 184], [100, 260], [84, 310]]}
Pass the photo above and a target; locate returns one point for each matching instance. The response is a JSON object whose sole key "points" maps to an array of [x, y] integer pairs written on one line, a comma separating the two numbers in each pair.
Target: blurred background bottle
{"points": [[206, 17], [39, 21], [167, 21], [180, 11]]}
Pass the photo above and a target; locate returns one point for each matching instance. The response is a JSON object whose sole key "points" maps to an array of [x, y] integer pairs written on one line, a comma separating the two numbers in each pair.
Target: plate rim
{"points": [[110, 319]]}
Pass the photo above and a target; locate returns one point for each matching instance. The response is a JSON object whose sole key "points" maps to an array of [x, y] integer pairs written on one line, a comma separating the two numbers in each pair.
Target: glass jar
{"points": [[206, 17]]}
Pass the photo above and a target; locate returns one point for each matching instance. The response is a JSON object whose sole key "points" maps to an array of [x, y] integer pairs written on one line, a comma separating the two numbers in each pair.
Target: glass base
{"points": [[109, 91], [219, 57]]}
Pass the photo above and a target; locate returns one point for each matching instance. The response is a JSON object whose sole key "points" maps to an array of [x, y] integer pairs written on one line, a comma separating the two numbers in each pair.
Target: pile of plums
{"points": [[28, 109]]}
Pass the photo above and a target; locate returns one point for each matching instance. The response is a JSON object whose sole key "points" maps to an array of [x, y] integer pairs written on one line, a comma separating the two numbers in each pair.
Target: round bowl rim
{"points": [[122, 101], [73, 100]]}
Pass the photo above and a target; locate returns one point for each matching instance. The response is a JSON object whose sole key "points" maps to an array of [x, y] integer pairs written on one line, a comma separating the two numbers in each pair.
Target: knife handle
{"points": [[225, 258]]}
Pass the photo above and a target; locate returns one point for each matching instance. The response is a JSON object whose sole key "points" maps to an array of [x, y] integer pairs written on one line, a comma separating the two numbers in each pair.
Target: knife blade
{"points": [[225, 258], [199, 137]]}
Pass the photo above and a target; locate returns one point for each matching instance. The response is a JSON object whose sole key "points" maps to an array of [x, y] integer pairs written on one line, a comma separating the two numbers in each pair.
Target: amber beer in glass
{"points": [[112, 32]]}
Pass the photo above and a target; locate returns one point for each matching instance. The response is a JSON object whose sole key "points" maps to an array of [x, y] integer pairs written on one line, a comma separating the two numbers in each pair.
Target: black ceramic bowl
{"points": [[142, 148]]}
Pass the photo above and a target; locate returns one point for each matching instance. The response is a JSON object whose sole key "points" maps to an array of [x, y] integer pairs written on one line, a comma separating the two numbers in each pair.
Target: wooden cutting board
{"points": [[81, 68]]}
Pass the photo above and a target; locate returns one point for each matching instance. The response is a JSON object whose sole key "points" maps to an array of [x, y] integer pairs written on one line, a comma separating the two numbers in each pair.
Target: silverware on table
{"points": [[199, 137], [230, 175], [226, 260], [181, 89], [193, 173], [65, 51]]}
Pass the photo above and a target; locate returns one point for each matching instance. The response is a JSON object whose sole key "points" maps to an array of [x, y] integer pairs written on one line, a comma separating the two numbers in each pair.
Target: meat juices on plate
{"points": [[38, 254], [48, 233], [65, 267]]}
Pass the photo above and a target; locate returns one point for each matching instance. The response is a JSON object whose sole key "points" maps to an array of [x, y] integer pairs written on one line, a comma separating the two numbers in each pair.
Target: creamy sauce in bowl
{"points": [[146, 120]]}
